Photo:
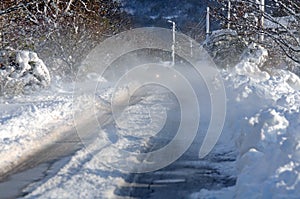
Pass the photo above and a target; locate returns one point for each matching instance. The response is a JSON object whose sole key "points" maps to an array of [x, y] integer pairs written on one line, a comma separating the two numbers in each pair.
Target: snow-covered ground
{"points": [[31, 123], [263, 123], [261, 136], [28, 128]]}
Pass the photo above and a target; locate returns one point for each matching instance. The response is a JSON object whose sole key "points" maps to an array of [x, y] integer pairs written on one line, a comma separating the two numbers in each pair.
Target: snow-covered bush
{"points": [[254, 54], [251, 61], [22, 72], [225, 47]]}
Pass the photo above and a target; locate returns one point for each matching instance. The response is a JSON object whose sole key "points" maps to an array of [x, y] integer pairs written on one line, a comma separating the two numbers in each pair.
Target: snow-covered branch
{"points": [[280, 26], [64, 30]]}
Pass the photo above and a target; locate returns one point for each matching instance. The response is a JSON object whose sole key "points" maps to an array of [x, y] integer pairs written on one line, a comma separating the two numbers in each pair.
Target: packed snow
{"points": [[90, 173]]}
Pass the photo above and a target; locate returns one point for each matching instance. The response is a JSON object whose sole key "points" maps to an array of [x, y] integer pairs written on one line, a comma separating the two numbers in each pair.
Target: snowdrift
{"points": [[264, 127]]}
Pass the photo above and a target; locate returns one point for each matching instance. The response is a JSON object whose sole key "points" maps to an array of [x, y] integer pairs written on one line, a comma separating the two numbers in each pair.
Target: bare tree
{"points": [[280, 27], [61, 31]]}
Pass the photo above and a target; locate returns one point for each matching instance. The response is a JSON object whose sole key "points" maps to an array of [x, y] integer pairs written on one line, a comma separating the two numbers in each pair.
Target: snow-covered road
{"points": [[148, 124]]}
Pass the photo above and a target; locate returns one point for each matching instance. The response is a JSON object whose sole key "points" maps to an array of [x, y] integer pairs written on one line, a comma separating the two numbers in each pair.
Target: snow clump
{"points": [[22, 72]]}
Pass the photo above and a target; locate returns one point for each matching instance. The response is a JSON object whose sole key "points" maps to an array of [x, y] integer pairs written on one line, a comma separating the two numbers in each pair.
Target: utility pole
{"points": [[191, 46], [229, 14], [262, 20], [207, 23], [174, 41]]}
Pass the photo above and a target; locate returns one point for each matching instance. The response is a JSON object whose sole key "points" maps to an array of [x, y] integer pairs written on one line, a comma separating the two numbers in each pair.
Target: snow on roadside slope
{"points": [[24, 125], [266, 131], [30, 124]]}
